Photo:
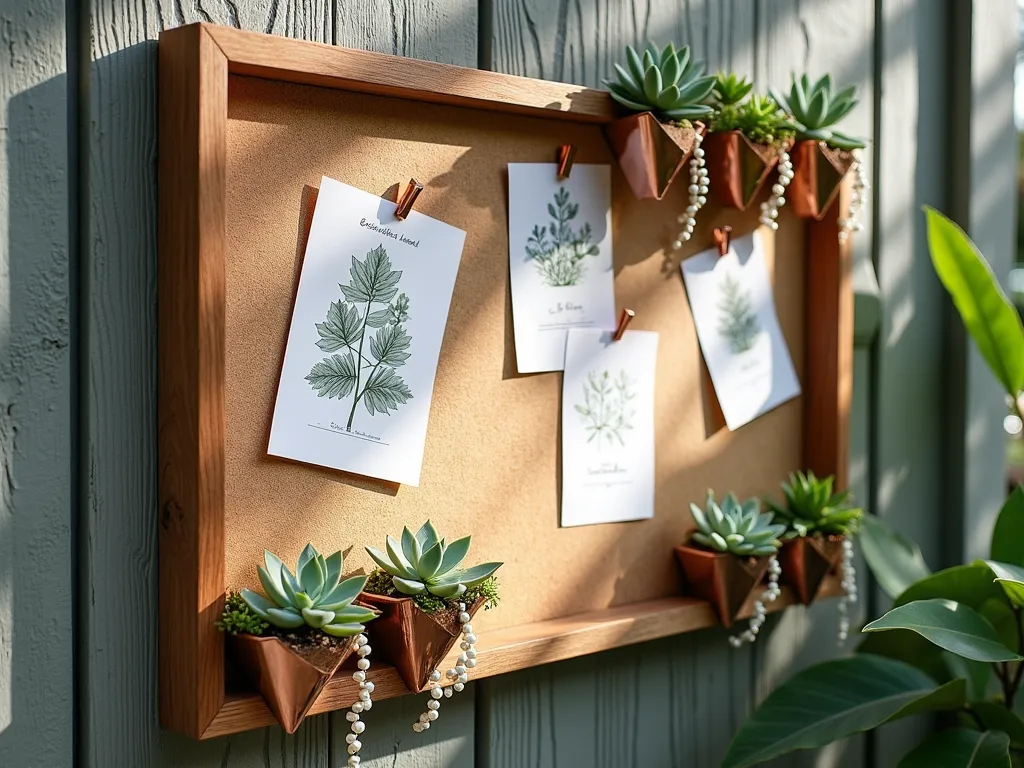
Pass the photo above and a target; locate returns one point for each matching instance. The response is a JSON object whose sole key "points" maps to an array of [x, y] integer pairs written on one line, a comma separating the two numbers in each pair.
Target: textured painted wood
{"points": [[438, 30], [35, 385], [123, 514]]}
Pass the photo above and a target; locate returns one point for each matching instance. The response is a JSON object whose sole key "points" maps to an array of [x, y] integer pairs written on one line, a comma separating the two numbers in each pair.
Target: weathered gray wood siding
{"points": [[675, 701]]}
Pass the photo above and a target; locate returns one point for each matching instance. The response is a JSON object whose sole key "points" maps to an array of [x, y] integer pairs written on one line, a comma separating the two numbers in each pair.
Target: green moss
{"points": [[238, 619], [379, 583]]}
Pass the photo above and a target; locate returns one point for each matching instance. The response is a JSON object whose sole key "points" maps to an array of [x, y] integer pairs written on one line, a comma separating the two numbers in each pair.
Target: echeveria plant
{"points": [[739, 528], [315, 596], [670, 84], [424, 562]]}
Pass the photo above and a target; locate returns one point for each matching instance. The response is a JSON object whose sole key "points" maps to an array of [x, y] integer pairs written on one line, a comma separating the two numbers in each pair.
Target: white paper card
{"points": [[608, 427], [560, 258], [739, 333], [365, 336]]}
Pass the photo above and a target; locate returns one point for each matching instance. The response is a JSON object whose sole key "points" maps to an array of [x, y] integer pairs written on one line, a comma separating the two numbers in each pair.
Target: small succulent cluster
{"points": [[423, 563], [238, 618], [315, 596], [815, 109], [755, 115], [809, 507], [670, 84], [739, 528]]}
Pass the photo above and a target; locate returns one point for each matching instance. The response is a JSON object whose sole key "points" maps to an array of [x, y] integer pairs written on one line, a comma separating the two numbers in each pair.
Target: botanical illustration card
{"points": [[560, 258], [738, 329], [608, 427], [365, 335]]}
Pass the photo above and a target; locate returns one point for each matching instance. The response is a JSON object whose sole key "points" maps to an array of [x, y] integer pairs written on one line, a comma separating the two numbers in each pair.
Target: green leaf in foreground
{"points": [[950, 625], [961, 748], [988, 315], [895, 560], [835, 699], [1008, 533], [1010, 578], [996, 717]]}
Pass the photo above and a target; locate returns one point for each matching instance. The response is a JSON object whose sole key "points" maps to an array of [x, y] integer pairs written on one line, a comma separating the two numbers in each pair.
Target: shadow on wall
{"points": [[35, 575]]}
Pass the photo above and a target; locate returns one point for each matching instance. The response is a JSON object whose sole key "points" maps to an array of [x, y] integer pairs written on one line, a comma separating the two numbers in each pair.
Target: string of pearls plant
{"points": [[360, 705], [700, 182], [770, 207], [770, 595], [458, 675], [849, 597], [852, 223]]}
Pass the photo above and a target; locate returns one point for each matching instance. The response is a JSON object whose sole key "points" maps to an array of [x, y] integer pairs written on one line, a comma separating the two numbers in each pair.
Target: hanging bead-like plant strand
{"points": [[770, 208], [458, 675], [852, 223], [362, 704], [699, 184], [849, 597], [771, 594]]}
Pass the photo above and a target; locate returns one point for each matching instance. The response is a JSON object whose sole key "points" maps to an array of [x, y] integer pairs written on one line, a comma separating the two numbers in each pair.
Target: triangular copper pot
{"points": [[724, 580], [806, 561], [738, 167], [650, 153], [290, 681], [818, 171], [412, 641]]}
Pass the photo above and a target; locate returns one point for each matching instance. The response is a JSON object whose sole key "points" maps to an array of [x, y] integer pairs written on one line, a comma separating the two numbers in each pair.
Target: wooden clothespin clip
{"points": [[722, 237], [624, 319], [566, 156], [405, 202]]}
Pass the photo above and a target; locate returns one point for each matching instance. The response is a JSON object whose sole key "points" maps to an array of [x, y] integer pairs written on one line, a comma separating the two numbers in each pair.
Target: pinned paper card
{"points": [[608, 427], [560, 258], [365, 336], [738, 329]]}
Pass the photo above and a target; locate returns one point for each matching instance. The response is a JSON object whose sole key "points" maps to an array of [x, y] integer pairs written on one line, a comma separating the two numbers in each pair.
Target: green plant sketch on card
{"points": [[737, 320], [559, 260], [606, 412], [365, 336]]}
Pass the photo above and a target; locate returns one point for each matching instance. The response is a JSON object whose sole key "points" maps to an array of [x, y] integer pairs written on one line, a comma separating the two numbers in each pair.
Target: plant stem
{"points": [[359, 368], [1018, 674]]}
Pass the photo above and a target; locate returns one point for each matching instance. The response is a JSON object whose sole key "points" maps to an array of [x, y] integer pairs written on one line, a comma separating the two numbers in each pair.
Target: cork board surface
{"points": [[492, 459]]}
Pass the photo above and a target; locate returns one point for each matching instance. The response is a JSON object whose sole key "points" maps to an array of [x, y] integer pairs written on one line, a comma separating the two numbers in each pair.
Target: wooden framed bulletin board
{"points": [[248, 125]]}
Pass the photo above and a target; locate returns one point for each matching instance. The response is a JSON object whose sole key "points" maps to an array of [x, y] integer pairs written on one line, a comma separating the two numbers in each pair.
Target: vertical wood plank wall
{"points": [[673, 702]]}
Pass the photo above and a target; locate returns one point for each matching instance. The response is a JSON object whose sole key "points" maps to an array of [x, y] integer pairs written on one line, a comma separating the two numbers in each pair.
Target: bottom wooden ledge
{"points": [[515, 648]]}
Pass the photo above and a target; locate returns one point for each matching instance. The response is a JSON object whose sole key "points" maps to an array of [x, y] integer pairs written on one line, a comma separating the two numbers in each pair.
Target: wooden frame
{"points": [[195, 62]]}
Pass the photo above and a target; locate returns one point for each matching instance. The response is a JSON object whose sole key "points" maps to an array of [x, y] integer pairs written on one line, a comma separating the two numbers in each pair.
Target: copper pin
{"points": [[624, 319], [723, 235], [566, 156], [405, 202]]}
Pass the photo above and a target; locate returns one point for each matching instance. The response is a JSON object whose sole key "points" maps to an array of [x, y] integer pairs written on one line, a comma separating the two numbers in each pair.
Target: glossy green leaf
{"points": [[411, 548], [446, 590], [316, 617], [354, 614], [950, 625], [454, 554], [257, 602], [1008, 533], [895, 561], [427, 536], [971, 585], [333, 568], [472, 576], [961, 748], [343, 630], [397, 555], [407, 586], [285, 618], [1010, 578], [994, 716], [987, 313], [271, 586], [343, 594], [311, 577], [836, 699], [430, 561]]}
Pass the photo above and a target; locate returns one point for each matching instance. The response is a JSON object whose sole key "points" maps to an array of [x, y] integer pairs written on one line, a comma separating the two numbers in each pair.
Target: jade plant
{"points": [[735, 527], [428, 569], [809, 506], [815, 109], [314, 597], [670, 84]]}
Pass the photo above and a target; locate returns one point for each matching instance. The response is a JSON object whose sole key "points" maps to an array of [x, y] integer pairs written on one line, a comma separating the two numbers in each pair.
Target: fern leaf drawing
{"points": [[366, 372], [737, 320], [606, 412]]}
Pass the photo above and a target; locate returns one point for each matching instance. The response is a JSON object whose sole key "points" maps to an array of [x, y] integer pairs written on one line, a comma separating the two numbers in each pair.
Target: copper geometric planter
{"points": [[290, 681], [806, 561], [818, 171], [650, 153], [738, 167], [724, 580], [412, 641]]}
